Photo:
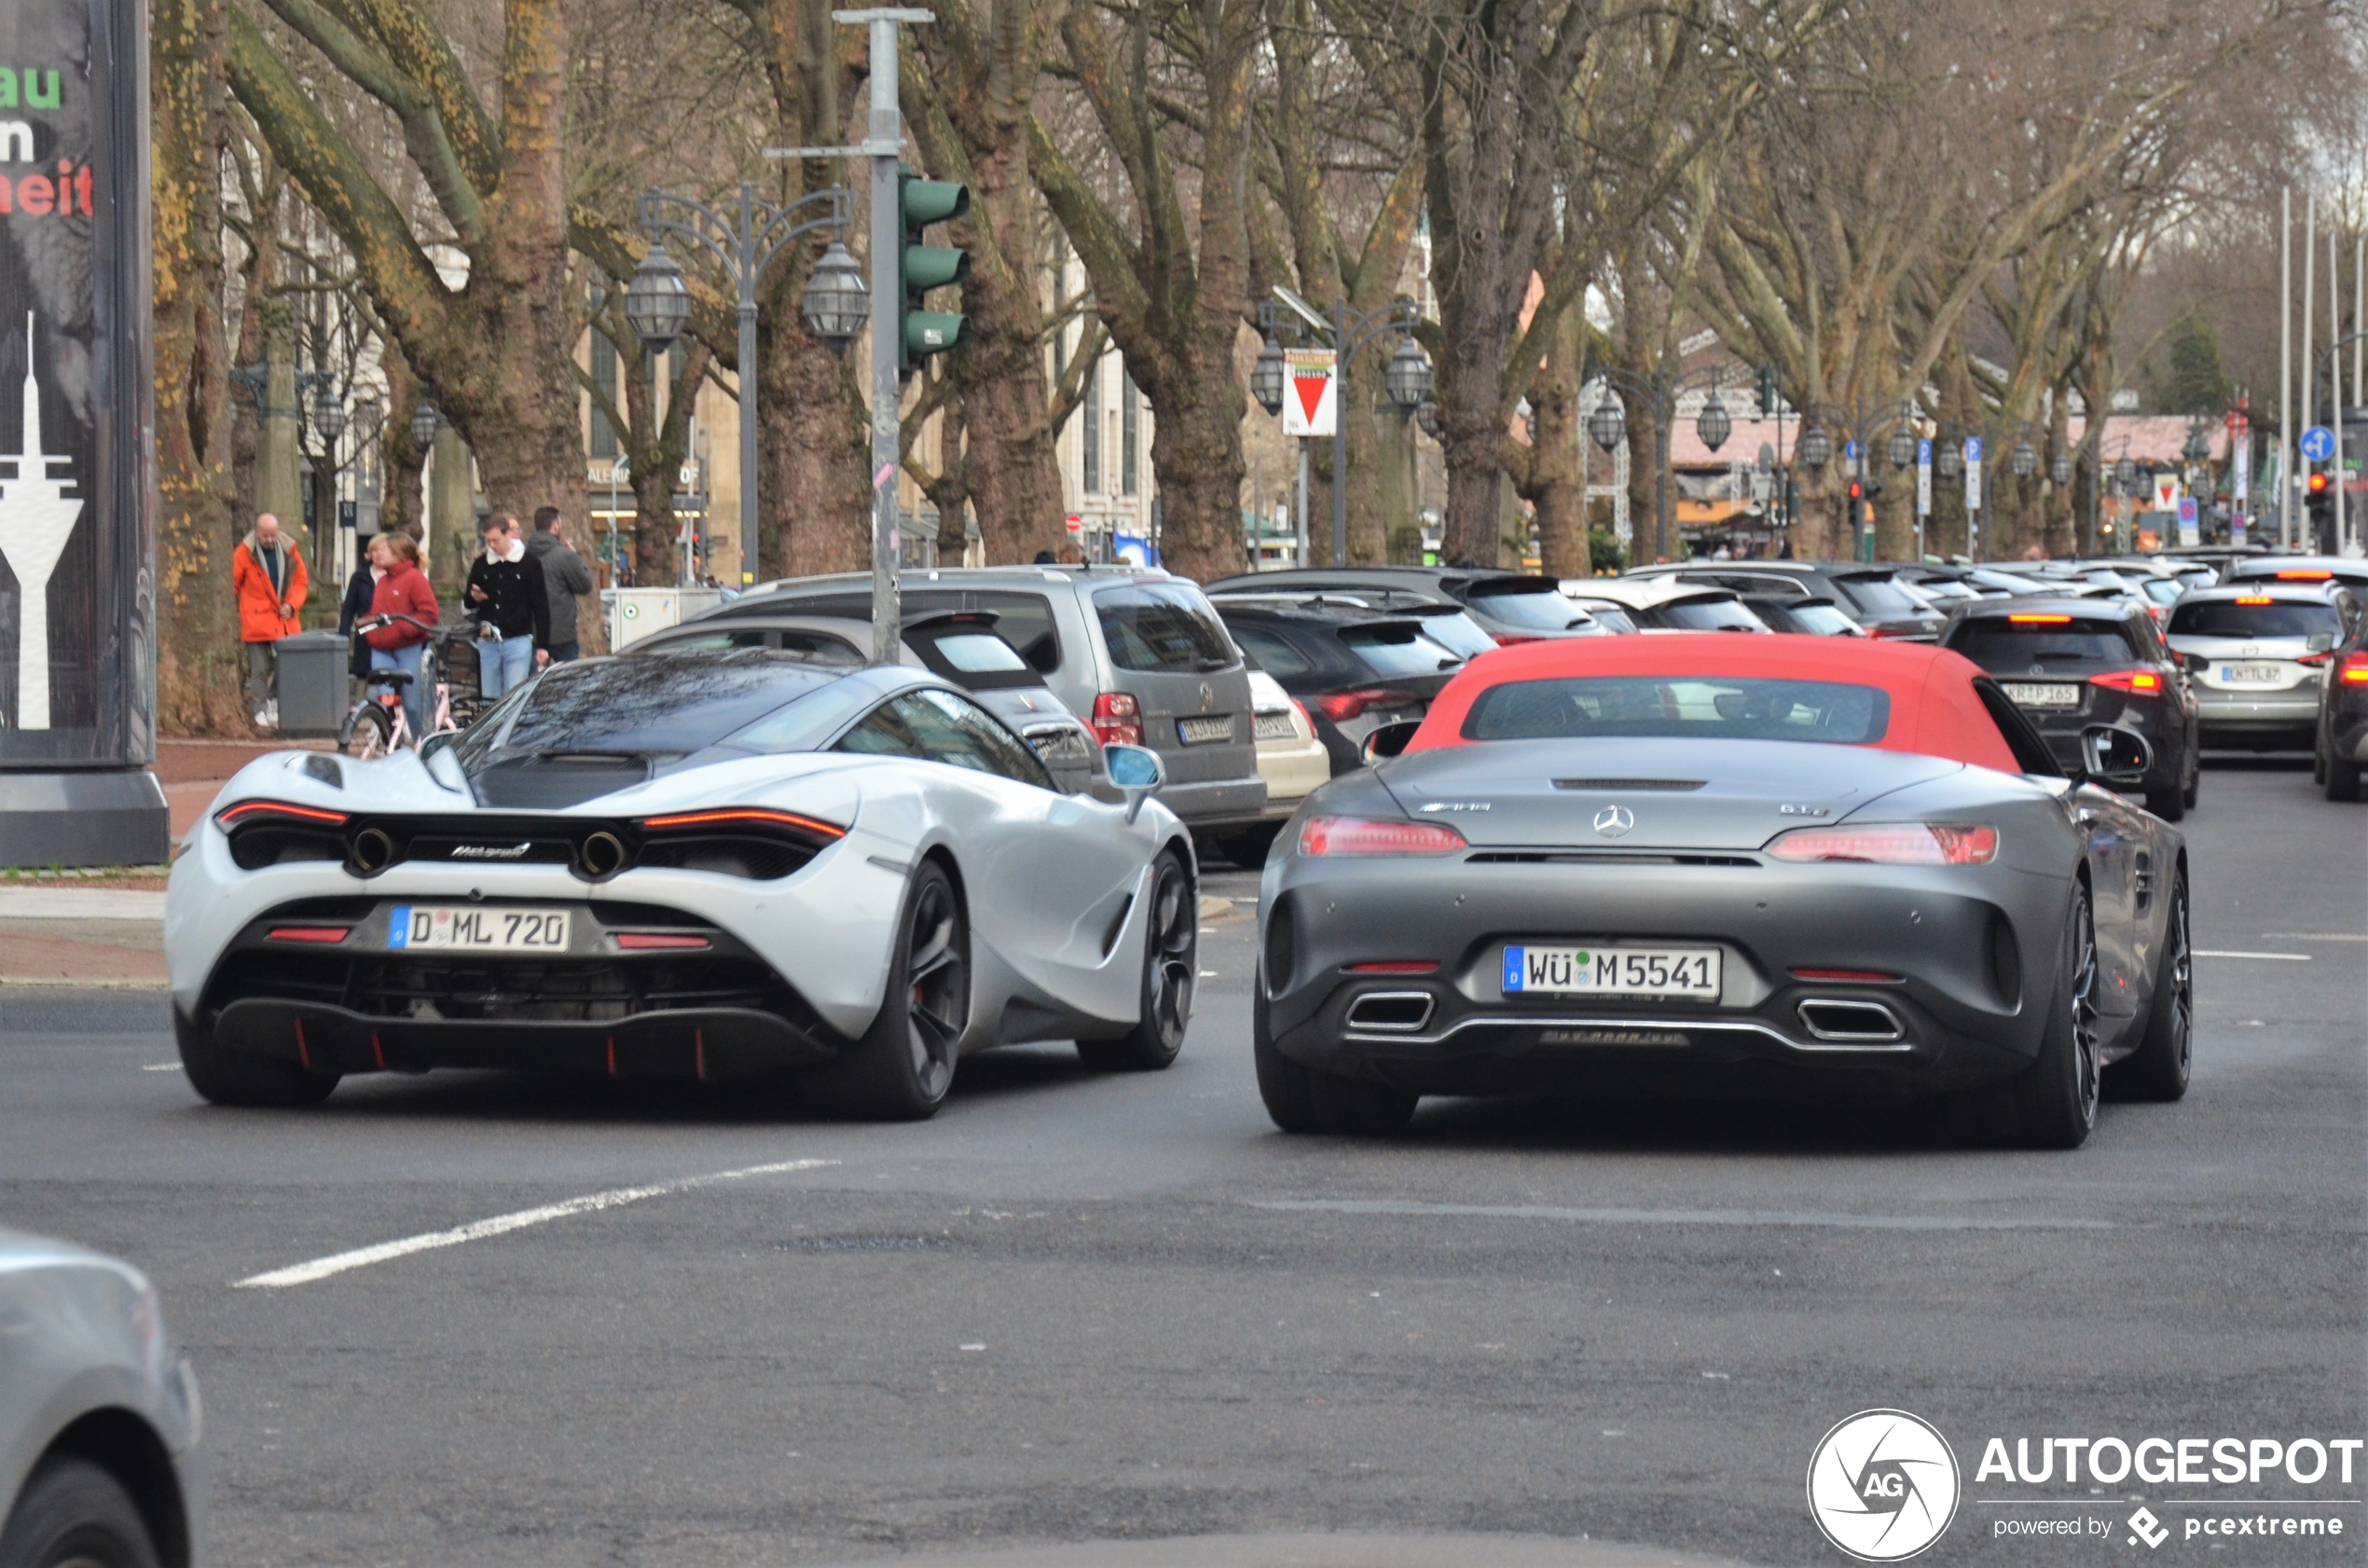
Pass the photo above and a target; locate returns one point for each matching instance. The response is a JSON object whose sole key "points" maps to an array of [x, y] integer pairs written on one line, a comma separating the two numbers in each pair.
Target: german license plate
{"points": [[2251, 675], [2025, 693], [1271, 727], [1611, 971], [1199, 732], [441, 928]]}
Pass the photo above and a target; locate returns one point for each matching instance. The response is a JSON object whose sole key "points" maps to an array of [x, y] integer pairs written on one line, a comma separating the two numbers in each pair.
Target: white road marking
{"points": [[1680, 1217], [2317, 936], [2279, 957], [361, 1257], [162, 1068]]}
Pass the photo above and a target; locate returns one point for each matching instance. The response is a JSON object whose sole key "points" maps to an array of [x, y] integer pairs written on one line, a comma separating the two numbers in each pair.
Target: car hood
{"points": [[1648, 794]]}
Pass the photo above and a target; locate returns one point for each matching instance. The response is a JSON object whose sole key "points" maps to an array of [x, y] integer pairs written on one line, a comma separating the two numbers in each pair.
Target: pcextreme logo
{"points": [[1883, 1485]]}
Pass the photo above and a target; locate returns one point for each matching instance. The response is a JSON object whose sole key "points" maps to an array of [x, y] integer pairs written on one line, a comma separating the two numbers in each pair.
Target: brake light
{"points": [[248, 811], [2139, 682], [1514, 639], [1892, 843], [1866, 977], [1117, 719], [1398, 966], [1893, 631], [1339, 706], [2354, 669], [308, 934], [1358, 835], [2251, 598], [2304, 576], [2313, 658], [641, 942], [749, 816], [2041, 620], [1300, 709]]}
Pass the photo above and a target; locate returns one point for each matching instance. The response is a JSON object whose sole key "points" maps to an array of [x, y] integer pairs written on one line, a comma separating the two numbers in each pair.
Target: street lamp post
{"points": [[1406, 382], [744, 243], [1894, 423], [1607, 427]]}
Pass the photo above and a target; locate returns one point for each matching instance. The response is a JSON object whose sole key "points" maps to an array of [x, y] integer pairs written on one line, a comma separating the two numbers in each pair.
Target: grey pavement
{"points": [[1120, 1320]]}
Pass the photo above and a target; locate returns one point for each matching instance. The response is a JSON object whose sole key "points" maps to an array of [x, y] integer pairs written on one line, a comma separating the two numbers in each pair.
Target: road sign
{"points": [[1311, 397], [2318, 444], [1973, 473], [1925, 477], [2166, 492], [2190, 522]]}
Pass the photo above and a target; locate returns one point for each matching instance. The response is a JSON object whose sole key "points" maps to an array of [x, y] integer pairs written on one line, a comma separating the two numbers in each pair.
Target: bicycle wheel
{"points": [[366, 732]]}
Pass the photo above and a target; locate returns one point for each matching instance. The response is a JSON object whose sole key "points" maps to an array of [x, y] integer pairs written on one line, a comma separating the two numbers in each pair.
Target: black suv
{"points": [[1867, 593], [2071, 663], [1507, 605]]}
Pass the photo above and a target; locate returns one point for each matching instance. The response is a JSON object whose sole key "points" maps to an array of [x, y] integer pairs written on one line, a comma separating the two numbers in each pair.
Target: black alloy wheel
{"points": [[1171, 957], [2159, 1070], [902, 1066], [2053, 1102]]}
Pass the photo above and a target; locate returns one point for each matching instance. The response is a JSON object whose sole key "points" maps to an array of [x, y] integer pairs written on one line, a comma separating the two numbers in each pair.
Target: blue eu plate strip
{"points": [[1514, 958], [399, 926]]}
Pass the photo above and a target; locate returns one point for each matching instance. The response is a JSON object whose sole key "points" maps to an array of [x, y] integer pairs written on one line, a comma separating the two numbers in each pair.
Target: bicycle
{"points": [[380, 722]]}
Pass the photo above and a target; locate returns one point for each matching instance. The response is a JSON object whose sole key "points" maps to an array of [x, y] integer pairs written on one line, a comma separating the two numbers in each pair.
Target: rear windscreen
{"points": [[2235, 618], [1531, 606], [1459, 633], [1702, 707], [1399, 649], [1612, 617], [1878, 597], [641, 706], [1824, 620], [1711, 614], [1162, 626], [972, 657], [2004, 646]]}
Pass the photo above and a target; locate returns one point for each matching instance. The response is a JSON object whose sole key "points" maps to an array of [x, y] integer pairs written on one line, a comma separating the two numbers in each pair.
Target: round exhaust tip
{"points": [[373, 851], [602, 856]]}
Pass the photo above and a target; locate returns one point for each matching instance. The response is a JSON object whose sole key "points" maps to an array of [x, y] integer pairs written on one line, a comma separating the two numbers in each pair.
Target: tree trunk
{"points": [[814, 455], [198, 668]]}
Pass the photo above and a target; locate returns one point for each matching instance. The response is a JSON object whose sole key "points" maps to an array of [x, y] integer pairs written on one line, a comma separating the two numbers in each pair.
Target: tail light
{"points": [[308, 934], [1893, 631], [1300, 709], [2041, 620], [754, 842], [2313, 658], [1893, 843], [2353, 671], [1117, 720], [1358, 835], [2138, 682], [2254, 599], [1514, 639], [746, 817], [651, 942], [1340, 707], [277, 812]]}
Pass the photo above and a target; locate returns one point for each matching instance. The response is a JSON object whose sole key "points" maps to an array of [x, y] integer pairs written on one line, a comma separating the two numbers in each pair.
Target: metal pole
{"points": [[886, 140], [2305, 363], [1298, 512], [2336, 377], [1664, 410], [747, 239], [1343, 349], [2285, 365]]}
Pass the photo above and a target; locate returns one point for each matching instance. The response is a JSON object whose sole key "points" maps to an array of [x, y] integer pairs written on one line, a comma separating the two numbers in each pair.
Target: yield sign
{"points": [[1312, 403]]}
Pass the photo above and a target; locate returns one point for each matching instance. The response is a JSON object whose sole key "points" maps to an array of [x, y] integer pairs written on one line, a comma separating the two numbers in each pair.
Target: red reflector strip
{"points": [[2042, 620], [642, 940], [244, 810], [1396, 965], [308, 934], [746, 814], [1871, 977]]}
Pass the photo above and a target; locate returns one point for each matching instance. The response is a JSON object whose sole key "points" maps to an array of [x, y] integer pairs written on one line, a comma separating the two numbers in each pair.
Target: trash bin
{"points": [[313, 685]]}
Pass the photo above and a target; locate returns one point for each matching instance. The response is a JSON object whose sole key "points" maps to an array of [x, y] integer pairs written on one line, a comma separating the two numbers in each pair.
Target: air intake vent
{"points": [[1677, 785]]}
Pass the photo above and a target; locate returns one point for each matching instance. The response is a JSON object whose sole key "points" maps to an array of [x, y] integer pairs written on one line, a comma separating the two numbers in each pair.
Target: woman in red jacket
{"points": [[403, 590]]}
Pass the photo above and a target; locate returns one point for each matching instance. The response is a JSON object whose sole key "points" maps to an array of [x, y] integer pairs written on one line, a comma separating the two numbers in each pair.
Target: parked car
{"points": [[1870, 593], [1806, 617], [98, 1416], [1139, 655], [2310, 570], [2342, 741], [1510, 606], [961, 645], [1354, 668], [2257, 654], [1657, 604], [2070, 665], [1291, 758]]}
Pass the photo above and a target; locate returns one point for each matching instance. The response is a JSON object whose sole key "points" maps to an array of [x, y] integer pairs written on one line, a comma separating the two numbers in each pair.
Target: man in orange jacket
{"points": [[268, 575]]}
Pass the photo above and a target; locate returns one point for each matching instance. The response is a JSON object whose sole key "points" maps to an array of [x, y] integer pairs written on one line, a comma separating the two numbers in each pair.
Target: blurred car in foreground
{"points": [[2070, 665], [98, 1417], [2342, 741], [2256, 654], [1809, 868]]}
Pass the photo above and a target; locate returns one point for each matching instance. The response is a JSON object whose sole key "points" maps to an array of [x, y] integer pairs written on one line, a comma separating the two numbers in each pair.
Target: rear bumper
{"points": [[709, 1044]]}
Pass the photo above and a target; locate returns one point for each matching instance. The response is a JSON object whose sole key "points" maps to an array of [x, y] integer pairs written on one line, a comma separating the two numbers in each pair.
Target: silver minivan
{"points": [[1139, 655]]}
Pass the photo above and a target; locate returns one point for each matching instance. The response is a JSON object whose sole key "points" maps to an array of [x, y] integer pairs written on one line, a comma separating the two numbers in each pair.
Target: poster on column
{"points": [[76, 678]]}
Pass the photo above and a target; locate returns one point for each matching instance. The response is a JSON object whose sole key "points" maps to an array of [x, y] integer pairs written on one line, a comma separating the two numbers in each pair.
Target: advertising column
{"points": [[77, 666]]}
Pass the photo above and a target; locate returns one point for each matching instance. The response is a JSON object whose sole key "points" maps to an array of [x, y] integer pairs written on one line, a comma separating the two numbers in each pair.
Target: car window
{"points": [[2012, 644], [1721, 708], [973, 656], [940, 726], [1397, 649], [1458, 633], [2260, 616], [1273, 651], [1162, 626], [819, 647], [1710, 614], [1022, 620], [1531, 606], [1613, 617], [1826, 620], [1878, 597], [666, 706]]}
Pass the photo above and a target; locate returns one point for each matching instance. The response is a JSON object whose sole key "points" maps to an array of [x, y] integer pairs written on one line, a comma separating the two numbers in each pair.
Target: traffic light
{"points": [[921, 268], [1767, 390], [2319, 501]]}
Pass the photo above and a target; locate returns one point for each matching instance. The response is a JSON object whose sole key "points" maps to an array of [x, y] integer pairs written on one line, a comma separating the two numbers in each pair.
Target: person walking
{"points": [[267, 575], [402, 589], [506, 592], [564, 577]]}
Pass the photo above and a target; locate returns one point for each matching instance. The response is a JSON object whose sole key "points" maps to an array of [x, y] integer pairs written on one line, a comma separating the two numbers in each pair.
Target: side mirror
{"points": [[2118, 757], [2321, 640], [1389, 740], [1137, 772]]}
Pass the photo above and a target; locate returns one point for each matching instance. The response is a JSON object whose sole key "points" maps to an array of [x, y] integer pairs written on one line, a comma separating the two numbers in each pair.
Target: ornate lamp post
{"points": [[1860, 427], [1406, 382], [1607, 426]]}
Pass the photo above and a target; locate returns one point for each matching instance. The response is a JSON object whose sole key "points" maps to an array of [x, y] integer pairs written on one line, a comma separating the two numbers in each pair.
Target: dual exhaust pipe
{"points": [[601, 855]]}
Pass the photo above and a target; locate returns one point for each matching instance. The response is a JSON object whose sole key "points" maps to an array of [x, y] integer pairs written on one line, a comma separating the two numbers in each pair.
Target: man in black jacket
{"points": [[508, 595], [564, 577]]}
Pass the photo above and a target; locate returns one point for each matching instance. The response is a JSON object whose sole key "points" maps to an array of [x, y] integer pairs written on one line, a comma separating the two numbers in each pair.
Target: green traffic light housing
{"points": [[923, 267]]}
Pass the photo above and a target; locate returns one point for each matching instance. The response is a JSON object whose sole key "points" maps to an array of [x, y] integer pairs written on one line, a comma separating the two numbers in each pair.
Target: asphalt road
{"points": [[1079, 1308]]}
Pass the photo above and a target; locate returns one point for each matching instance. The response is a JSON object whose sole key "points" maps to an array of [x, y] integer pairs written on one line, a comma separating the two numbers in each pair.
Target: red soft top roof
{"points": [[1934, 710]]}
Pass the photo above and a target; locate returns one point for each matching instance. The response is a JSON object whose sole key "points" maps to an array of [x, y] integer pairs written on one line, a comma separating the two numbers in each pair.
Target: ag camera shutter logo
{"points": [[1883, 1485]]}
